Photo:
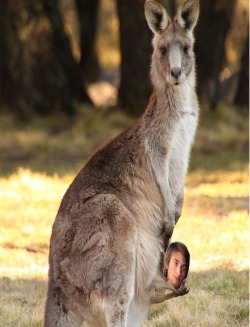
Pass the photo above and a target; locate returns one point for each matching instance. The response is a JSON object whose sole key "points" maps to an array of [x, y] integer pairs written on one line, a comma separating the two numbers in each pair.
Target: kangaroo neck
{"points": [[167, 101], [166, 104], [166, 107]]}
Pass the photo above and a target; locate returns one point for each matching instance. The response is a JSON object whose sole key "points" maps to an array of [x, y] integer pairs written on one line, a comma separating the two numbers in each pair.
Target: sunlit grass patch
{"points": [[23, 263], [29, 202], [28, 205]]}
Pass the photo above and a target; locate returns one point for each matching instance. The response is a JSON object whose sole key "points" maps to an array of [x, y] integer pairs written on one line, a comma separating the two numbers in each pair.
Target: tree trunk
{"points": [[11, 61], [242, 94], [135, 46], [64, 54], [214, 23], [38, 71], [170, 5], [87, 12]]}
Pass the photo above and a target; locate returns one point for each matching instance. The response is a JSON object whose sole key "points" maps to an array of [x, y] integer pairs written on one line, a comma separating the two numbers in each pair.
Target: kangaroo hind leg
{"points": [[117, 316], [57, 314]]}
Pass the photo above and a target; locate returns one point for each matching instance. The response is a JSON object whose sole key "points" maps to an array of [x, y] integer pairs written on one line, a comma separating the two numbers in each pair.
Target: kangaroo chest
{"points": [[183, 135]]}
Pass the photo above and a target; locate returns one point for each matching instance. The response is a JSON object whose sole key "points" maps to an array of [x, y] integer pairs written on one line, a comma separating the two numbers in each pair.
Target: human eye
{"points": [[184, 269]]}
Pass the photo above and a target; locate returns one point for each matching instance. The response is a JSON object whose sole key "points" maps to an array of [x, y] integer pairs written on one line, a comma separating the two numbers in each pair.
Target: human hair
{"points": [[176, 247]]}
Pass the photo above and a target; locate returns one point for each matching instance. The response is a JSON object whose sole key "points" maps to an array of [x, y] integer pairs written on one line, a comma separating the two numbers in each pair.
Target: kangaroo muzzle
{"points": [[175, 64]]}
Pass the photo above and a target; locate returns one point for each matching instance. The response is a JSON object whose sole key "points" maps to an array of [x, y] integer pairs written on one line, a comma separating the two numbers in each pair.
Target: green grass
{"points": [[40, 158]]}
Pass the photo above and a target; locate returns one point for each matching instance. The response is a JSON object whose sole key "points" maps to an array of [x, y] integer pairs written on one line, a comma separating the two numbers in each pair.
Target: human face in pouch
{"points": [[177, 269]]}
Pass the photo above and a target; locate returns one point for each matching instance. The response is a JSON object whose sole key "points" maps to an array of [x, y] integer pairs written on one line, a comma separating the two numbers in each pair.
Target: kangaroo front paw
{"points": [[182, 290]]}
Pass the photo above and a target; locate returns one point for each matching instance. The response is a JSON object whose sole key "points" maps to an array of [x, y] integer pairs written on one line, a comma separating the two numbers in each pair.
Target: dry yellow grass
{"points": [[214, 226]]}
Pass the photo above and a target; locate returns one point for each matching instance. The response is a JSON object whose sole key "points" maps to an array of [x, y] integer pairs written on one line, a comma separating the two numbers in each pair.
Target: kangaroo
{"points": [[108, 236]]}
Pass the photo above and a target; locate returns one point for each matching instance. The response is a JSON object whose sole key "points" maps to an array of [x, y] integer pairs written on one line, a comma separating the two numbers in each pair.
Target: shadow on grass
{"points": [[219, 206], [23, 300], [71, 164], [50, 165], [218, 161]]}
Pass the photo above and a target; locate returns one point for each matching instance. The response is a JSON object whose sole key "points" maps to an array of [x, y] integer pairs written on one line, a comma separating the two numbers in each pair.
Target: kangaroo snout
{"points": [[176, 72], [176, 75]]}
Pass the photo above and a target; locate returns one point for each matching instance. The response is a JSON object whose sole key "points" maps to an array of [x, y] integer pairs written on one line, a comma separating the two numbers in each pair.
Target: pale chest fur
{"points": [[183, 134], [176, 163]]}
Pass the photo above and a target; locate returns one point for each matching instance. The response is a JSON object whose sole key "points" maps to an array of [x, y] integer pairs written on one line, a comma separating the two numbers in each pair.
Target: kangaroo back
{"points": [[108, 236]]}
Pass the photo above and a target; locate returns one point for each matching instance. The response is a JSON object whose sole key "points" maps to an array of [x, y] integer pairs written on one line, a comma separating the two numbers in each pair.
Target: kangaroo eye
{"points": [[163, 51], [186, 49]]}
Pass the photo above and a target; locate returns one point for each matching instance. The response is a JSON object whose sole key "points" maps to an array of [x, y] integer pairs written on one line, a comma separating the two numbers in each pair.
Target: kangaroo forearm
{"points": [[159, 298], [160, 283]]}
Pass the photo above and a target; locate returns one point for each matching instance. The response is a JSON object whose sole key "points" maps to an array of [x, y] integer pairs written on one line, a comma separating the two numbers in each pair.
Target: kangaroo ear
{"points": [[156, 16], [187, 14]]}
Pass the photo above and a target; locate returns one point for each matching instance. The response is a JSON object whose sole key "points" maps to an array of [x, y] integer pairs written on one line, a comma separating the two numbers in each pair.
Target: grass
{"points": [[40, 159], [54, 144], [208, 304]]}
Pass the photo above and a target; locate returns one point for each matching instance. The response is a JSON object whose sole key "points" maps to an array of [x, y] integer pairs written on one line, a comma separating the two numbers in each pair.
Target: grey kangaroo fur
{"points": [[107, 238]]}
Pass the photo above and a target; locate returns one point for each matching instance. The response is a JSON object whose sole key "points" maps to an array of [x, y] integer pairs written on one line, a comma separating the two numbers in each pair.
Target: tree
{"points": [[135, 46], [214, 23], [87, 12], [242, 94], [38, 70], [73, 87], [11, 62]]}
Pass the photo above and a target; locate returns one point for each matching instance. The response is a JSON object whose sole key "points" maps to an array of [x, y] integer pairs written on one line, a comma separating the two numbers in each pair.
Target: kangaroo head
{"points": [[173, 57]]}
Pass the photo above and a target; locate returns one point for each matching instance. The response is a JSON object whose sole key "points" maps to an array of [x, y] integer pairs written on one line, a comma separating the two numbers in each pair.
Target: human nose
{"points": [[178, 272]]}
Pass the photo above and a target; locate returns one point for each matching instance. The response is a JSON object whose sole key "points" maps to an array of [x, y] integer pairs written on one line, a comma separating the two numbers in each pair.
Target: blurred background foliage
{"points": [[54, 51]]}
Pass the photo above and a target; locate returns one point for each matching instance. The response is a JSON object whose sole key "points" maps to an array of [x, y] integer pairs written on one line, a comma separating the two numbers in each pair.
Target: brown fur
{"points": [[106, 241]]}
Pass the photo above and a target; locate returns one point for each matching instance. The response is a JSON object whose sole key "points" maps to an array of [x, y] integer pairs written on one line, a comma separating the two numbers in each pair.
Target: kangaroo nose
{"points": [[176, 72]]}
